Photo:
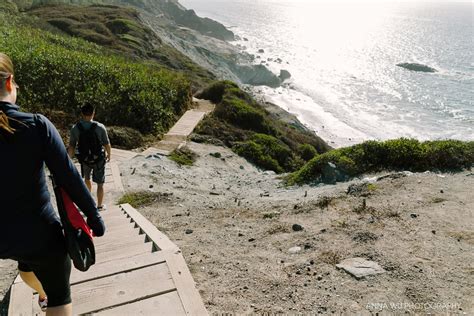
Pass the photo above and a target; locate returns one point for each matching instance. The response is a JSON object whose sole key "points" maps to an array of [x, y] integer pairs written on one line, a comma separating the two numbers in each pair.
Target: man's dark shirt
{"points": [[29, 226]]}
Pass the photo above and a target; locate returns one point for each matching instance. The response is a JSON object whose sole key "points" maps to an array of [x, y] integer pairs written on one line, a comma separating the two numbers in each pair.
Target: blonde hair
{"points": [[6, 70]]}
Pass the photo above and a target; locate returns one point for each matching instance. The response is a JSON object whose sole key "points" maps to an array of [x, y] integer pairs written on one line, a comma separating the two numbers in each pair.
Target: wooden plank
{"points": [[107, 255], [120, 154], [100, 294], [117, 220], [116, 176], [113, 213], [124, 231], [113, 239], [114, 216], [21, 300], [192, 301], [118, 243], [121, 265], [113, 210], [168, 304], [160, 239], [122, 225]]}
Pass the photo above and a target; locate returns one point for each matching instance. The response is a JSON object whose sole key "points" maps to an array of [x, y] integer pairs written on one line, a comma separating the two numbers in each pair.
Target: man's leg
{"points": [[98, 176], [86, 174], [88, 184], [100, 194]]}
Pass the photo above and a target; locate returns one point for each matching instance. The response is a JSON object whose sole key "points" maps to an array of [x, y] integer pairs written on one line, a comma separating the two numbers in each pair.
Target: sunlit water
{"points": [[345, 83]]}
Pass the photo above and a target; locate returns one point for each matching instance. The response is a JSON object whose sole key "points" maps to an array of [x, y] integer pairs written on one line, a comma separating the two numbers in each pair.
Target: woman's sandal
{"points": [[43, 303]]}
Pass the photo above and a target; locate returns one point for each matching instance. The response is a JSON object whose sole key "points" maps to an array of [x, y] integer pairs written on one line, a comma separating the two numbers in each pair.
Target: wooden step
{"points": [[119, 289], [100, 270], [162, 305], [115, 254]]}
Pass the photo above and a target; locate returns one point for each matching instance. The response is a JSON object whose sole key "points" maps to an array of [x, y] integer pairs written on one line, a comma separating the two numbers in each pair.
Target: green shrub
{"points": [[8, 6], [215, 92], [124, 137], [139, 198], [307, 152], [397, 154], [274, 148], [252, 132], [256, 154], [267, 152], [237, 112], [62, 73], [183, 156], [449, 154]]}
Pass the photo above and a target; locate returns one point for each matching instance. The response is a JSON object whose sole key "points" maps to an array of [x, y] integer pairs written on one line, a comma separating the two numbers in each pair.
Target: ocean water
{"points": [[345, 84]]}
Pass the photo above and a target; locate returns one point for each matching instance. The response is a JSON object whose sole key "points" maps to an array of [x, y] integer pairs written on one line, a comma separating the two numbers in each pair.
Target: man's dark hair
{"points": [[87, 109]]}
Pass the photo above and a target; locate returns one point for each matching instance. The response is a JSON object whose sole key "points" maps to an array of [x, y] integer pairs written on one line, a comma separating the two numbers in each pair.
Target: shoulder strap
{"points": [[80, 127], [93, 126]]}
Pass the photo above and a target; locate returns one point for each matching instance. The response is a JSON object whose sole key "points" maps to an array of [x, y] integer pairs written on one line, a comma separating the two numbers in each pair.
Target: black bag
{"points": [[90, 150], [77, 233]]}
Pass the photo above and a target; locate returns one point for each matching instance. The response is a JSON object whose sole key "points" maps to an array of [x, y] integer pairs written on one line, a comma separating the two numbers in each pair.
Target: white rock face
{"points": [[360, 267], [294, 249]]}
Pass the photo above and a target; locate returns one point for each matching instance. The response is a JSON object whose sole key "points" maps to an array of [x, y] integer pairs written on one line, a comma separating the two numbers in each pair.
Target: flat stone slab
{"points": [[360, 267]]}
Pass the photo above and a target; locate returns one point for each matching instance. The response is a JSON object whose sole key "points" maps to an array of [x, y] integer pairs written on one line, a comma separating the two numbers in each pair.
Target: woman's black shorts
{"points": [[53, 273]]}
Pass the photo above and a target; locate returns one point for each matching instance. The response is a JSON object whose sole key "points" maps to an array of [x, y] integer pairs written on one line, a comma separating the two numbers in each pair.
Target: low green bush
{"points": [[307, 152], [183, 156], [244, 125], [124, 137], [238, 112], [139, 198], [215, 92], [256, 154], [397, 154], [62, 73], [274, 148]]}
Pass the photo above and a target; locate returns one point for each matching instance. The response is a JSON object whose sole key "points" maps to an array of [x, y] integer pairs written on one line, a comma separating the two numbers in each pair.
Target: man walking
{"points": [[93, 150]]}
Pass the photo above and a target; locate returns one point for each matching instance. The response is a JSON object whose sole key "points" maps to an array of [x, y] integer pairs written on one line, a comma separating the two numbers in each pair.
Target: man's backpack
{"points": [[89, 147]]}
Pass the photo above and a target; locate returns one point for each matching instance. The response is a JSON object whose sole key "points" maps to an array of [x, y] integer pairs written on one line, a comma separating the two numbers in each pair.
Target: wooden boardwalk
{"points": [[138, 270], [178, 134]]}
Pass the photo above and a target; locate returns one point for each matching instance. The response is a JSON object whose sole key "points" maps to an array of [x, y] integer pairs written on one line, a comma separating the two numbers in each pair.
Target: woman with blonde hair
{"points": [[30, 230]]}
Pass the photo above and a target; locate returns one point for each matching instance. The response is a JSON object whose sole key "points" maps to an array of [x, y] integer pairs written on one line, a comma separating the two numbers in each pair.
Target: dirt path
{"points": [[234, 224]]}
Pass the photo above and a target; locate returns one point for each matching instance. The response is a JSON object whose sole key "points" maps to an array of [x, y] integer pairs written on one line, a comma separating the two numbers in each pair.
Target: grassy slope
{"points": [[120, 29], [245, 126], [60, 73]]}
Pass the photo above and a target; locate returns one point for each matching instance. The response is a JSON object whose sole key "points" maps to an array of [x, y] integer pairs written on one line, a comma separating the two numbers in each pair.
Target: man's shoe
{"points": [[102, 208]]}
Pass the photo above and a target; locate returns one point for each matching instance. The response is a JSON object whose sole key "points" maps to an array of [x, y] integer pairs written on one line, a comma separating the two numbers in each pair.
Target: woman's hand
{"points": [[96, 223]]}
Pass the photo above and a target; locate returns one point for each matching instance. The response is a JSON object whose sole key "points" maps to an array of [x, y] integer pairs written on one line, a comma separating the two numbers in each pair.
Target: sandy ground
{"points": [[234, 224]]}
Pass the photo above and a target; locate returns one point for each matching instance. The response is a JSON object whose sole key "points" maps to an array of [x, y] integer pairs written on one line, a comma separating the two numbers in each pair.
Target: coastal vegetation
{"points": [[68, 55], [397, 154], [58, 72], [252, 132], [139, 198], [183, 156], [121, 30]]}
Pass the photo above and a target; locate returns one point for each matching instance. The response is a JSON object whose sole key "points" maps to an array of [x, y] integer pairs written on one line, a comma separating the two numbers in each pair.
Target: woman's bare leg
{"points": [[65, 310], [32, 281]]}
